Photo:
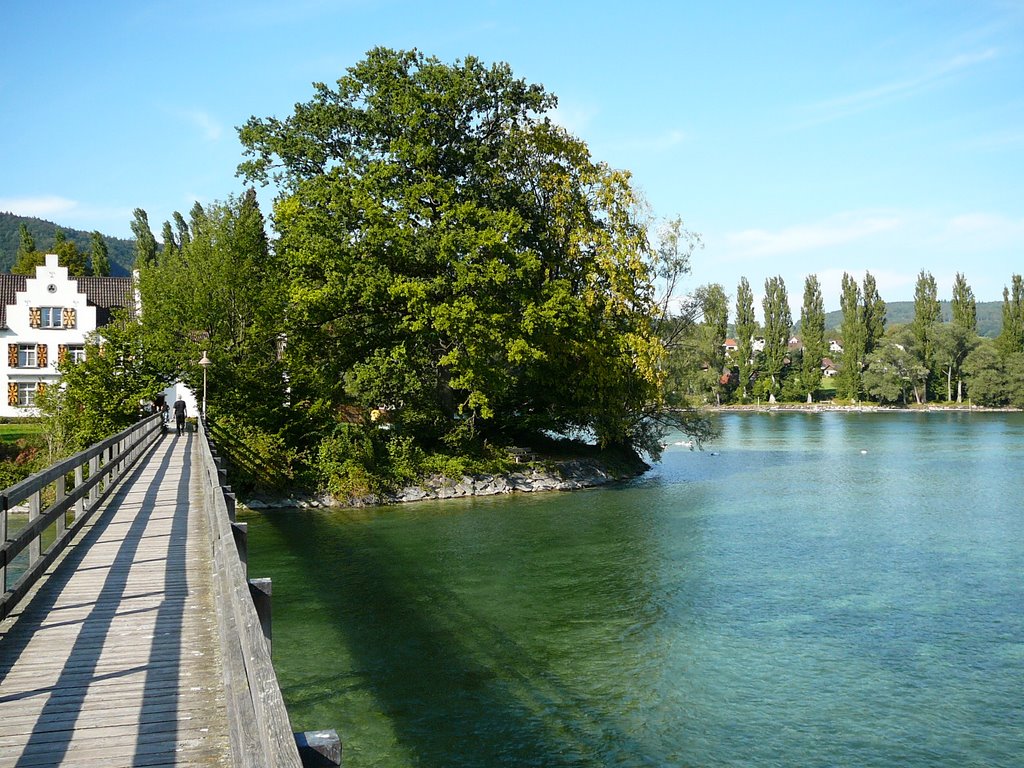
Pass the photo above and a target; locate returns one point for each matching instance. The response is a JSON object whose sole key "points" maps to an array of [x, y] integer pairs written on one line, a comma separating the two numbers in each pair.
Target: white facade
{"points": [[47, 318]]}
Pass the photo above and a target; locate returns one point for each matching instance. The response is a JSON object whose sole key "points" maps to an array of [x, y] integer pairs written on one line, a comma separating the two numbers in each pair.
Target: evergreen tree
{"points": [[848, 382], [778, 324], [746, 327], [99, 256], [963, 306], [1011, 339], [812, 329], [873, 315], [927, 314], [145, 243]]}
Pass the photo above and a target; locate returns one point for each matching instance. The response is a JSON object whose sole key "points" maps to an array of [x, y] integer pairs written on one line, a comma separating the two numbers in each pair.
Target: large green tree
{"points": [[812, 331], [746, 327], [458, 259], [778, 323]]}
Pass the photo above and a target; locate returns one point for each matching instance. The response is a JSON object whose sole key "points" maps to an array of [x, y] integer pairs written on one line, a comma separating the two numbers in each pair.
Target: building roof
{"points": [[104, 293]]}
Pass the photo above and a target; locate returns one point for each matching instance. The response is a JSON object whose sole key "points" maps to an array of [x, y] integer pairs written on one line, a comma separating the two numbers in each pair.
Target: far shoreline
{"points": [[853, 408]]}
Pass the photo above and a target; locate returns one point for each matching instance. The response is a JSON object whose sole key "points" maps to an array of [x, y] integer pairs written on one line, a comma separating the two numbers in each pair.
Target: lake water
{"points": [[813, 590]]}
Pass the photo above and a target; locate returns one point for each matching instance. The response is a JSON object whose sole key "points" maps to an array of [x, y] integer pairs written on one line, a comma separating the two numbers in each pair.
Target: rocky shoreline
{"points": [[569, 475]]}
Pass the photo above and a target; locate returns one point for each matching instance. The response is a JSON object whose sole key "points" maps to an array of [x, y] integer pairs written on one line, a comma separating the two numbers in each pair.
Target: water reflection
{"points": [[785, 598]]}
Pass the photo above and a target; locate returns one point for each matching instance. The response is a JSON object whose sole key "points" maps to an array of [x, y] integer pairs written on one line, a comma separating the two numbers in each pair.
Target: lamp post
{"points": [[205, 362]]}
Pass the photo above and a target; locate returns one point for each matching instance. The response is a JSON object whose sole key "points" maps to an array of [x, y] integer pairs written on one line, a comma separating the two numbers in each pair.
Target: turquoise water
{"points": [[814, 590]]}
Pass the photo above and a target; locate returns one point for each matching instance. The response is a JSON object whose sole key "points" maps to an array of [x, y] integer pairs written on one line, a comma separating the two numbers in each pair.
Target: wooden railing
{"points": [[260, 730], [80, 483]]}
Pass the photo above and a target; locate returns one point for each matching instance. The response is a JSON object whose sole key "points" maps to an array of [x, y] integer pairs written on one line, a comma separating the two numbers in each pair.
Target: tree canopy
{"points": [[457, 259]]}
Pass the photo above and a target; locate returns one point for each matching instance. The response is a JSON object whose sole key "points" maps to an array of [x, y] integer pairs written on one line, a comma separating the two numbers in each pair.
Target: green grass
{"points": [[16, 430]]}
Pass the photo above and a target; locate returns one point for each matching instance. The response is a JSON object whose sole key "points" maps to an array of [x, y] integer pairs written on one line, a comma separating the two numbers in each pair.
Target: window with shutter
{"points": [[41, 353], [34, 317], [12, 355], [12, 393], [69, 317], [40, 387], [62, 353]]}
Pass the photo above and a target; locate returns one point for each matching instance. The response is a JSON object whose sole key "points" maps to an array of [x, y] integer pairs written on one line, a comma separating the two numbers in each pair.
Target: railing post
{"points": [[319, 749], [94, 469], [80, 504], [61, 493], [3, 540], [261, 591], [230, 501], [34, 508], [240, 533]]}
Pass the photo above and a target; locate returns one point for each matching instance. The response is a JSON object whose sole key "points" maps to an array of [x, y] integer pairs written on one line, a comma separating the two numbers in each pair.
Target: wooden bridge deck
{"points": [[114, 661]]}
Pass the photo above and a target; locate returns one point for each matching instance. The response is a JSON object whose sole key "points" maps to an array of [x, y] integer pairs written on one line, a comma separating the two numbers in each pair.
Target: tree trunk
{"points": [[809, 398], [959, 390], [949, 384]]}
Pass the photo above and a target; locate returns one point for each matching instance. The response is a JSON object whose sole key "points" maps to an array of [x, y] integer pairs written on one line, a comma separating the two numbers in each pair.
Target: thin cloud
{"points": [[871, 98], [807, 237], [210, 128], [660, 143], [44, 206]]}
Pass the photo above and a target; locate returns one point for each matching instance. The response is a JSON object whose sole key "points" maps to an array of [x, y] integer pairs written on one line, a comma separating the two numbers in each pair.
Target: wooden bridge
{"points": [[130, 634]]}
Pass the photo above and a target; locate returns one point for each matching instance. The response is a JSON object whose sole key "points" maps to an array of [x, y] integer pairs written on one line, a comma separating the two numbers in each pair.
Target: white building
{"points": [[45, 319]]}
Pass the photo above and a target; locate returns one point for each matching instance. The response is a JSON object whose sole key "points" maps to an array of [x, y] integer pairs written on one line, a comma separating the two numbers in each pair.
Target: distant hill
{"points": [[121, 252], [990, 316]]}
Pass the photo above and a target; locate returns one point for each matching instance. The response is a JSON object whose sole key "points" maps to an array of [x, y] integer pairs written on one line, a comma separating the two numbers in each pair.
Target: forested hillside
{"points": [[121, 251], [990, 316]]}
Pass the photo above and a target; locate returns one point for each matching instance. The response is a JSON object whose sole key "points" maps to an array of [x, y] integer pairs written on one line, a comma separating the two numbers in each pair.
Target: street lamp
{"points": [[205, 362]]}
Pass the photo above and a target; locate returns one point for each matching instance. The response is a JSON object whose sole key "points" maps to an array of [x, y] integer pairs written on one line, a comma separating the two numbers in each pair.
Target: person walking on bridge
{"points": [[179, 415]]}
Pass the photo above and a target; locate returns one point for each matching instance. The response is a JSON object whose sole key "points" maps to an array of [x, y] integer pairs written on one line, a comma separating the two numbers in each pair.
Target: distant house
{"points": [[757, 344], [730, 345], [834, 345], [45, 320], [795, 343], [828, 368]]}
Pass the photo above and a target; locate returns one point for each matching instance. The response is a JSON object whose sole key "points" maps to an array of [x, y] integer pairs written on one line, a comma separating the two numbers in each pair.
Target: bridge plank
{"points": [[115, 659]]}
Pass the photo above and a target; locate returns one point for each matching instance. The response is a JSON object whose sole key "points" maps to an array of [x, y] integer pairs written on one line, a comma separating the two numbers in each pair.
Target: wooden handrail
{"points": [[260, 731], [106, 463]]}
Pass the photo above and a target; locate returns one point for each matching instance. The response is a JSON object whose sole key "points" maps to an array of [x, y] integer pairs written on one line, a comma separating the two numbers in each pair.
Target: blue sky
{"points": [[796, 138]]}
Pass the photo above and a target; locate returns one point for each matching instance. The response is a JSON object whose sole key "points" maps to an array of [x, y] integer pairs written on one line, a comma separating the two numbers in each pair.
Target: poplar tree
{"points": [[778, 324], [182, 226], [927, 314], [873, 316], [746, 327], [145, 243], [1011, 338], [714, 307], [963, 305], [812, 329], [170, 244], [849, 380], [99, 255]]}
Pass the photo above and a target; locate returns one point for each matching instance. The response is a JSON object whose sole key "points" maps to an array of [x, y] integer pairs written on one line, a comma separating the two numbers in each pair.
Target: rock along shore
{"points": [[569, 475]]}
